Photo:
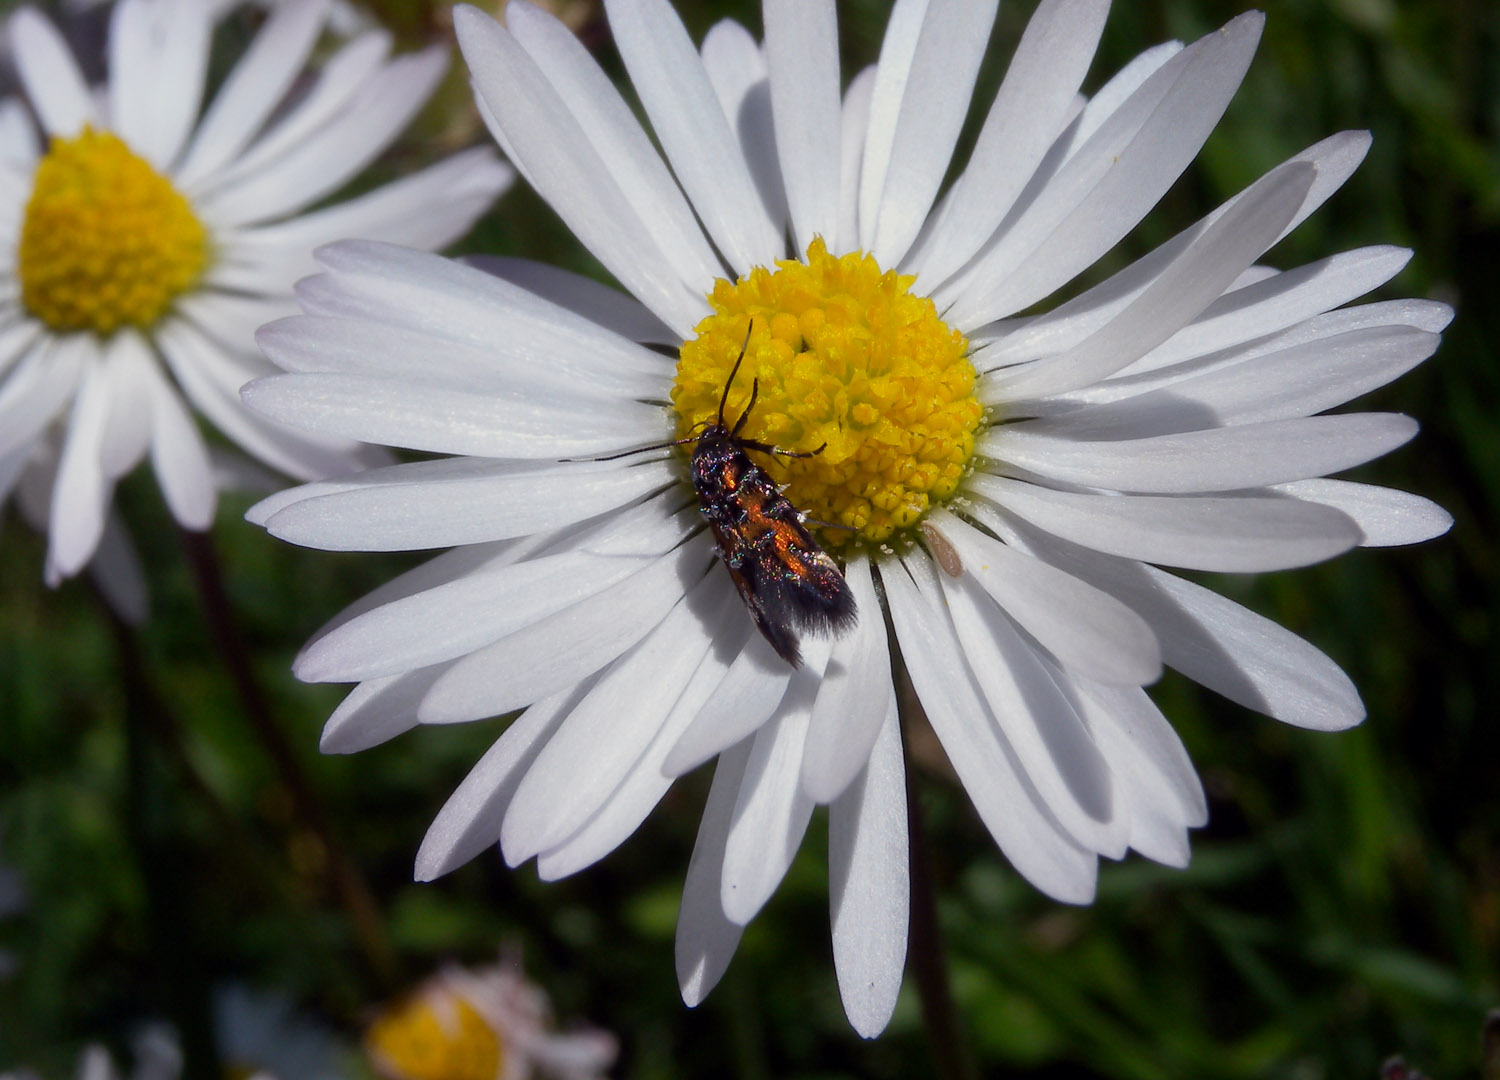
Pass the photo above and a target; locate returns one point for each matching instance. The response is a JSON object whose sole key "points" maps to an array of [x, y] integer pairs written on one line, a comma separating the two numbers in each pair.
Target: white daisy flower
{"points": [[490, 1023], [146, 242], [262, 1034], [1000, 486]]}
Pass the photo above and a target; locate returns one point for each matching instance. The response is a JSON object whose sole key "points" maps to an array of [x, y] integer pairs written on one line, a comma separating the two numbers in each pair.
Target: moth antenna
{"points": [[754, 393], [637, 450], [767, 448], [724, 398]]}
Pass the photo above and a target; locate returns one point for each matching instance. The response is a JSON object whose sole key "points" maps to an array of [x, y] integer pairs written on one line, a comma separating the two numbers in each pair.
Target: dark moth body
{"points": [[786, 580]]}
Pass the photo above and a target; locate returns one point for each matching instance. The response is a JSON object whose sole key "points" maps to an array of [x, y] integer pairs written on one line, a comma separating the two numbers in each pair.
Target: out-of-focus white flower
{"points": [[261, 1034], [146, 242], [482, 1024], [1002, 486], [257, 1037]]}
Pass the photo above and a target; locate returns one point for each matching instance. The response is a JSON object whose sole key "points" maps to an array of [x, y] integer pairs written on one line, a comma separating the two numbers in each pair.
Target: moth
{"points": [[789, 584]]}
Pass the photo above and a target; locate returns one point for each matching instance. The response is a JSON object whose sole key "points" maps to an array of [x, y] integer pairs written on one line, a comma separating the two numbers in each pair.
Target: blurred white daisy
{"points": [[262, 1034], [256, 1036], [1004, 483], [146, 242], [486, 1024]]}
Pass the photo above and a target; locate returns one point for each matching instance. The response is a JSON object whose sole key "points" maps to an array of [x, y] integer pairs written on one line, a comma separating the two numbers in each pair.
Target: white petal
{"points": [[158, 62], [402, 412], [205, 371], [569, 375], [81, 493], [1232, 533], [36, 391], [1088, 631], [438, 570], [903, 30], [1107, 186], [1125, 715], [746, 699], [344, 77], [615, 311], [1069, 323], [469, 821], [1029, 111], [1219, 459], [1216, 642], [435, 504], [1391, 317], [645, 784], [803, 57], [319, 166], [1278, 301], [450, 619], [127, 426], [616, 135], [855, 696], [736, 66], [49, 74], [429, 210], [1036, 709], [675, 91], [558, 158], [559, 649], [180, 459], [934, 102], [1296, 381], [376, 711], [116, 570], [608, 731], [706, 938], [868, 889], [1178, 294], [1155, 783], [855, 120], [1001, 794], [1386, 517], [255, 86], [771, 813], [19, 146], [446, 300]]}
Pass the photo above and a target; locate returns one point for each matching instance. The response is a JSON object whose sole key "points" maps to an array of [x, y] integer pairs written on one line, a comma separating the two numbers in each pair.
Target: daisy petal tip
{"points": [[314, 665], [691, 985], [470, 24], [434, 859], [1438, 524], [869, 1020], [823, 786], [262, 511], [1251, 23], [518, 840]]}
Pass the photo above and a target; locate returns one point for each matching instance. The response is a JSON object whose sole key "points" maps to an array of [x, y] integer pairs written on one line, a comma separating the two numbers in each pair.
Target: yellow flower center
{"points": [[845, 357], [434, 1036], [107, 241]]}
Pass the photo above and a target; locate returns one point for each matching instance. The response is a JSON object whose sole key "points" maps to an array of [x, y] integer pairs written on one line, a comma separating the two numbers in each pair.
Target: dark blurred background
{"points": [[1343, 904]]}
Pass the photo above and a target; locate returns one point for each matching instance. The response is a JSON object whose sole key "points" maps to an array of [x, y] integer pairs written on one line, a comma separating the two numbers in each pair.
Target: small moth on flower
{"points": [[788, 582]]}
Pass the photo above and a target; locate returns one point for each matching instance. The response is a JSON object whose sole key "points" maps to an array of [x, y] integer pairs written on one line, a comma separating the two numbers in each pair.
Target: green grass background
{"points": [[1343, 903]]}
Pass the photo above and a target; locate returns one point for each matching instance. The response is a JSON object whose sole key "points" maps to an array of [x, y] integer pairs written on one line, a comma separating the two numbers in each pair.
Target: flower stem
{"points": [[348, 884], [180, 985], [929, 964]]}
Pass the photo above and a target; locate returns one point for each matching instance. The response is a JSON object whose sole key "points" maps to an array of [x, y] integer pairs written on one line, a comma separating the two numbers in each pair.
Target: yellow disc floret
{"points": [[107, 241], [843, 356], [434, 1035]]}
